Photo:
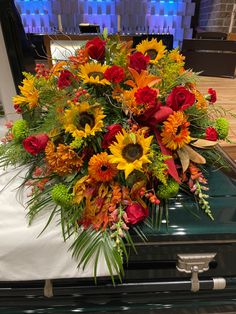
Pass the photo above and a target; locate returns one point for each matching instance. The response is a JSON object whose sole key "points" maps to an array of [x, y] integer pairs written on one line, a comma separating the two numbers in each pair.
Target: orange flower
{"points": [[201, 101], [175, 133], [62, 159], [101, 169]]}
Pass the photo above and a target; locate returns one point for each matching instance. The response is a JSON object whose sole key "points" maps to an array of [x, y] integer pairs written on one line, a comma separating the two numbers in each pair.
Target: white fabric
{"points": [[24, 255]]}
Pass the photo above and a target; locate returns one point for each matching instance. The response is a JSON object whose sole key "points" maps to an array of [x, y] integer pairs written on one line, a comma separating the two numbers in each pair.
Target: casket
{"points": [[187, 265]]}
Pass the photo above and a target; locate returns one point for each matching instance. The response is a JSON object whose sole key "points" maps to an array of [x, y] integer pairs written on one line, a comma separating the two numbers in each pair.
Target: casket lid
{"points": [[185, 218]]}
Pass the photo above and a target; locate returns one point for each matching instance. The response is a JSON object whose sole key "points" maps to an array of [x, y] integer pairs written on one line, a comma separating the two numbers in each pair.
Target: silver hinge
{"points": [[194, 264]]}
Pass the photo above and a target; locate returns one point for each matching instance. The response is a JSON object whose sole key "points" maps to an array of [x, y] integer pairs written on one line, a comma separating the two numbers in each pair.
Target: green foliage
{"points": [[158, 166], [13, 154]]}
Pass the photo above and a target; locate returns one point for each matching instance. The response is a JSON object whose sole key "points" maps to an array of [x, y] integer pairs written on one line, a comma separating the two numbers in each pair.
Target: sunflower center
{"points": [[84, 118], [152, 53], [95, 74], [179, 129], [104, 168], [131, 152]]}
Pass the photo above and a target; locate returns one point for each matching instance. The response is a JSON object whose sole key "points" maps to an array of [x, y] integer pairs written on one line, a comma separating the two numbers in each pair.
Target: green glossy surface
{"points": [[186, 218]]}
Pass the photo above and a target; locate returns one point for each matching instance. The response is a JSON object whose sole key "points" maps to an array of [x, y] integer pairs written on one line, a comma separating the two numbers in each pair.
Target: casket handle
{"points": [[194, 264]]}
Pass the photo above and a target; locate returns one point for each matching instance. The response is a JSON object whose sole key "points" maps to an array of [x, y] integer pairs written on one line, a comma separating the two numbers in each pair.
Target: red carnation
{"points": [[65, 79], [138, 61], [96, 48], [180, 98], [136, 213], [212, 94], [114, 74], [109, 137], [211, 134], [35, 144], [146, 95]]}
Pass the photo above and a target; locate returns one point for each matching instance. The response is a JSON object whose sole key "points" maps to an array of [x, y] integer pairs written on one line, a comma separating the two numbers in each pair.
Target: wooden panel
{"points": [[226, 97]]}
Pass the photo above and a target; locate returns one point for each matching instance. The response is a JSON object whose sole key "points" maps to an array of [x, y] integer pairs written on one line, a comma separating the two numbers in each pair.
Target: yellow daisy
{"points": [[93, 73], [83, 120], [29, 94], [131, 151], [100, 168], [154, 49], [175, 133]]}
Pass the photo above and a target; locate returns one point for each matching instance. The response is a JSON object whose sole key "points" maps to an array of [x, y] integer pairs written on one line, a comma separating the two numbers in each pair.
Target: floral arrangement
{"points": [[108, 137]]}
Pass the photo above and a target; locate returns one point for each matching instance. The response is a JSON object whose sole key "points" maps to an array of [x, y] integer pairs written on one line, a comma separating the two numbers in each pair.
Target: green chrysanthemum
{"points": [[222, 127], [20, 130], [61, 196], [169, 190]]}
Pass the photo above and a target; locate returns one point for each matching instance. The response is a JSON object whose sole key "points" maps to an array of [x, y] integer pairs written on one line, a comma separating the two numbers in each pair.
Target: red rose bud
{"points": [[146, 95], [65, 79], [35, 144], [96, 48], [138, 61], [109, 137], [212, 95], [136, 213], [114, 74], [180, 98], [211, 134]]}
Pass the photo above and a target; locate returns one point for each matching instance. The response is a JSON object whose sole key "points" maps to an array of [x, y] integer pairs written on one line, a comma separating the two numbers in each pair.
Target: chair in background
{"points": [[212, 35]]}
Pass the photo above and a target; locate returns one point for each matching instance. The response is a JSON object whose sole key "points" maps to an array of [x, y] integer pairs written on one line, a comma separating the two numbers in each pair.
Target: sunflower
{"points": [[83, 120], [131, 151], [100, 168], [29, 94], [93, 73], [175, 133], [62, 159], [154, 49]]}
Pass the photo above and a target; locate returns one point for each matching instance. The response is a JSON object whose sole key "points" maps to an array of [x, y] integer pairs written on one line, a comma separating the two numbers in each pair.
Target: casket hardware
{"points": [[194, 264]]}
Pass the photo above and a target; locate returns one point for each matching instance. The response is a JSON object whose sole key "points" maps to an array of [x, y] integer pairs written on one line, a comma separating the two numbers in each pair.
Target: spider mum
{"points": [[101, 169], [83, 120], [131, 151], [155, 50], [175, 133], [62, 159], [93, 73]]}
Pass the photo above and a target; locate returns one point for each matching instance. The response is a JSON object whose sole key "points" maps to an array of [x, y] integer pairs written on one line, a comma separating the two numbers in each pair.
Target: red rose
{"points": [[212, 95], [211, 134], [138, 61], [146, 95], [180, 98], [109, 137], [35, 144], [96, 48], [114, 74], [136, 213], [65, 79]]}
